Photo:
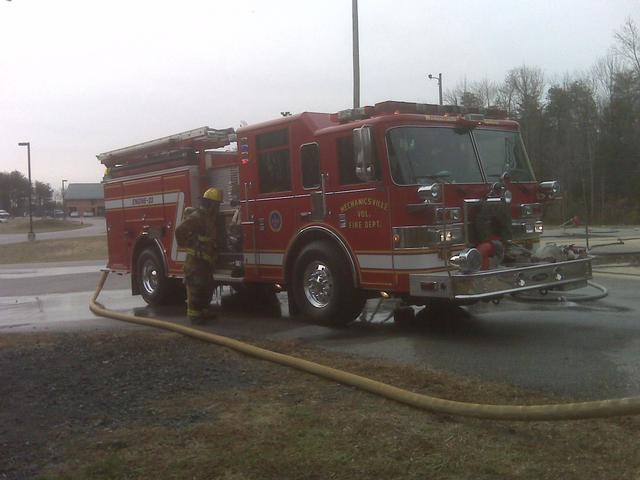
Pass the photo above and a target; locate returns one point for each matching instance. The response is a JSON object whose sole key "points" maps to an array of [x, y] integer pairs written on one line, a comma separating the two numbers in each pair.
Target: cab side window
{"points": [[274, 169], [346, 161], [310, 163]]}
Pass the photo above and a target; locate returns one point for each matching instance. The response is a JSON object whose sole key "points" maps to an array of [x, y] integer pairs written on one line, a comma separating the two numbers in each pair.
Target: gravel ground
{"points": [[153, 405], [55, 387]]}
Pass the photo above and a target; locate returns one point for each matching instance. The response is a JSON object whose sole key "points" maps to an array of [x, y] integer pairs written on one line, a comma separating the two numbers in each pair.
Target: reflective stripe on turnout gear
{"points": [[198, 254]]}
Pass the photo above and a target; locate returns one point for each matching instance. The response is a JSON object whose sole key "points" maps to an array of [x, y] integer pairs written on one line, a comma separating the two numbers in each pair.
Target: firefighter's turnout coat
{"points": [[197, 236]]}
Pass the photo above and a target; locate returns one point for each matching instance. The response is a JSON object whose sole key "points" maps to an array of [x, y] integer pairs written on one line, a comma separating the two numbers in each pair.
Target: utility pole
{"points": [[31, 235], [439, 80], [64, 212], [356, 54]]}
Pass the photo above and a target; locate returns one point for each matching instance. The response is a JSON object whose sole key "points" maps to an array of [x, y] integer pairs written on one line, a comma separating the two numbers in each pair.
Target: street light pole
{"points": [[356, 54], [31, 235], [439, 80]]}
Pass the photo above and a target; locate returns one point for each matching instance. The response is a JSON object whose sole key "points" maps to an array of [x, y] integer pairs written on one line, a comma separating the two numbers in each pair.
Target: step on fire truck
{"points": [[420, 202]]}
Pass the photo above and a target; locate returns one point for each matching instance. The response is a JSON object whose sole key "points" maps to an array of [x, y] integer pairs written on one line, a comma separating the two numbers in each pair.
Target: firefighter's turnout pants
{"points": [[199, 282], [198, 277]]}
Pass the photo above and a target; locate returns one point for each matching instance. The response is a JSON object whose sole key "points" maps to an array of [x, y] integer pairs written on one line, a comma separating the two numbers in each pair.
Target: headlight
{"points": [[426, 237], [450, 235], [526, 210], [448, 215]]}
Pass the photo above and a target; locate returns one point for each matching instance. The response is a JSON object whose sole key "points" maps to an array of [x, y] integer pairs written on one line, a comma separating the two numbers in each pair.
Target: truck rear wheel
{"points": [[323, 286], [152, 282]]}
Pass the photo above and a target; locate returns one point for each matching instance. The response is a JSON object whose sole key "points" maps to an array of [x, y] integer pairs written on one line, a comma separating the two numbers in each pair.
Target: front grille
{"points": [[484, 219]]}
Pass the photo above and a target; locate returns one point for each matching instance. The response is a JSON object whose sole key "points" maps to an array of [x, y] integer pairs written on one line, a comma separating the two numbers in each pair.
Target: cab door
{"points": [[311, 203], [357, 207]]}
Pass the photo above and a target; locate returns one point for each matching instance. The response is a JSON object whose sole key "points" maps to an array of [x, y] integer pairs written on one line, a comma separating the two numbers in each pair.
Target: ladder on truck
{"points": [[203, 138]]}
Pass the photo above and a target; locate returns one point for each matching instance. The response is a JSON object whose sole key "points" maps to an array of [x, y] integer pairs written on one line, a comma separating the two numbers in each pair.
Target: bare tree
{"points": [[473, 95], [521, 90], [527, 85], [451, 97], [628, 45], [487, 91], [505, 98], [455, 95], [603, 74], [521, 96]]}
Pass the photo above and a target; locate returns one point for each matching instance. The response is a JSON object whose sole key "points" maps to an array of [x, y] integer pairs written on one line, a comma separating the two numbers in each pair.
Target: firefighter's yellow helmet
{"points": [[213, 194]]}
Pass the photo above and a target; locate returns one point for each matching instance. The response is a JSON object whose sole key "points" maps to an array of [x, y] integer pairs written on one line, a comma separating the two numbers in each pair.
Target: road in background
{"points": [[96, 226]]}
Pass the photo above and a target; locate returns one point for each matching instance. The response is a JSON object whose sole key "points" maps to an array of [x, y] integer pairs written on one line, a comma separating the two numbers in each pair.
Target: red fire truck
{"points": [[420, 202]]}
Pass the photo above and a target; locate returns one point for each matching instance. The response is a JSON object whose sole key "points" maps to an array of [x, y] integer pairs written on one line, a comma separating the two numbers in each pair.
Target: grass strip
{"points": [[59, 250]]}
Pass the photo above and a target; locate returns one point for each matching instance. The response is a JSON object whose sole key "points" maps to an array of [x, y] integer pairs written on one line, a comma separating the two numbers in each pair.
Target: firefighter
{"points": [[197, 235]]}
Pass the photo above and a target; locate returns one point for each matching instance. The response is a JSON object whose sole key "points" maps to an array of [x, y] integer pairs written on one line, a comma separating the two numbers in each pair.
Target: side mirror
{"points": [[549, 189], [364, 153], [430, 193]]}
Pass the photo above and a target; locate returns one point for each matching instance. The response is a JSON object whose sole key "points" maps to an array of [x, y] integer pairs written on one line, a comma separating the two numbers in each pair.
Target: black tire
{"points": [[152, 282], [404, 317], [322, 286], [177, 291]]}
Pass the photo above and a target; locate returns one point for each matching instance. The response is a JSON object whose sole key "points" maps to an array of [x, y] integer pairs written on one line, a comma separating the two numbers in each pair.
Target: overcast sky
{"points": [[81, 77]]}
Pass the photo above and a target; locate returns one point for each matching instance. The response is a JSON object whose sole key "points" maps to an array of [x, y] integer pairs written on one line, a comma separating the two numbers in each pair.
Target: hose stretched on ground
{"points": [[568, 411], [560, 297]]}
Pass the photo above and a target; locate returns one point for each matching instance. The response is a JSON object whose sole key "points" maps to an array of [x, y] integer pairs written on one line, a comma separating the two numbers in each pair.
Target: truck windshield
{"points": [[502, 151], [420, 155]]}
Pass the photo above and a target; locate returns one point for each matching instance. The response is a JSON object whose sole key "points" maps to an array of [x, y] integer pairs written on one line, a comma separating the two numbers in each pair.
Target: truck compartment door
{"points": [[114, 216], [179, 190]]}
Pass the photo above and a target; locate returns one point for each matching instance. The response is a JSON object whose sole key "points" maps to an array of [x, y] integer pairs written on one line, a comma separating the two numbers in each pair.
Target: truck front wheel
{"points": [[323, 286], [152, 282]]}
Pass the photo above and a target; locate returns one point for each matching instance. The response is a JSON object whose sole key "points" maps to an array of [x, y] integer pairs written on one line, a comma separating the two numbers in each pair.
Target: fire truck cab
{"points": [[422, 202]]}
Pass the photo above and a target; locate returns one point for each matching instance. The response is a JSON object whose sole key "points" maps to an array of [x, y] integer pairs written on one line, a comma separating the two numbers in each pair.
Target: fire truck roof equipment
{"points": [[394, 107], [200, 138]]}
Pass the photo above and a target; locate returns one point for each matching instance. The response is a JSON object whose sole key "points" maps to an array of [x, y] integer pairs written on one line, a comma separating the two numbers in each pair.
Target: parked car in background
{"points": [[4, 216]]}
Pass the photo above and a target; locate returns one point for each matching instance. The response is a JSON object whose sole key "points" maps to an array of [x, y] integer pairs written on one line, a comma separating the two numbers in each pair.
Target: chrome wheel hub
{"points": [[318, 284], [150, 276]]}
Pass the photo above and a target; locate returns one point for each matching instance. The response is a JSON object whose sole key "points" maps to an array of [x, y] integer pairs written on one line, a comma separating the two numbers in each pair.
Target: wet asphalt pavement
{"points": [[584, 350]]}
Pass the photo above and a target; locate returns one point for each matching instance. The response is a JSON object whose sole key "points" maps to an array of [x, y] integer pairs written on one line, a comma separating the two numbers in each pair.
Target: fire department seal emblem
{"points": [[275, 221]]}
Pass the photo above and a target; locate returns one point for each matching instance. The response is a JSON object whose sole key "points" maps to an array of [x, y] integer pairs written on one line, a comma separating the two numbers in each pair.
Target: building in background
{"points": [[84, 199]]}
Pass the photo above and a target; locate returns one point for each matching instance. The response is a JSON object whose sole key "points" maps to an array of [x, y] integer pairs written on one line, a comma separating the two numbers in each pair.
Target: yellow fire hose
{"points": [[567, 411]]}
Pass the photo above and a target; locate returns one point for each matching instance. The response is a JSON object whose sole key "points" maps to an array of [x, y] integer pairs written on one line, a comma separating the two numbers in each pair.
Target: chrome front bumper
{"points": [[488, 284]]}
